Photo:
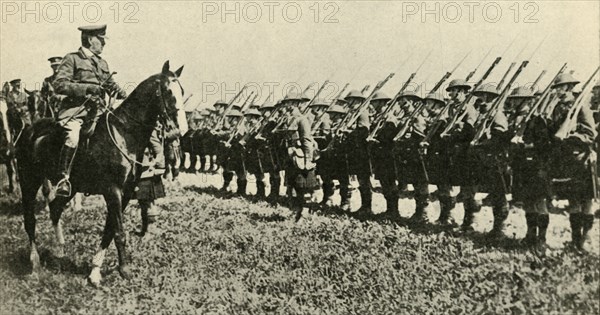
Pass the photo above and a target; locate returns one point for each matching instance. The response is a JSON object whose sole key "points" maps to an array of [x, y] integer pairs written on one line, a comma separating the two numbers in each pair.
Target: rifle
{"points": [[413, 116], [537, 80], [307, 108], [317, 121], [522, 126], [472, 73], [219, 123], [379, 121], [283, 118], [240, 123], [461, 112], [486, 124], [571, 121], [499, 87], [350, 119]]}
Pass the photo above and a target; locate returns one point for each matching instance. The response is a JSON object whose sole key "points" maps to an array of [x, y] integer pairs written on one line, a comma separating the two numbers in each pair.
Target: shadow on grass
{"points": [[17, 262]]}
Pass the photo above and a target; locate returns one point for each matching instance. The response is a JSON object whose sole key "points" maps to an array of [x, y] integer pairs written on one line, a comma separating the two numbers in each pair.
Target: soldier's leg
{"points": [[470, 205], [345, 192], [390, 193], [149, 213], [260, 185], [500, 211], [67, 153], [227, 177], [328, 190], [447, 203], [275, 179], [536, 216], [156, 146], [421, 202], [242, 182], [366, 192], [587, 221], [576, 219]]}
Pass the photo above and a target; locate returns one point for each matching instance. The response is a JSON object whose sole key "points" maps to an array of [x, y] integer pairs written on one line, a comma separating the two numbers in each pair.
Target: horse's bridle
{"points": [[163, 117]]}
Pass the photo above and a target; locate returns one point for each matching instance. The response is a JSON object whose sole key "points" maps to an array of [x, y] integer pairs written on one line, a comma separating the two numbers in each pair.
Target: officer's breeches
{"points": [[72, 129]]}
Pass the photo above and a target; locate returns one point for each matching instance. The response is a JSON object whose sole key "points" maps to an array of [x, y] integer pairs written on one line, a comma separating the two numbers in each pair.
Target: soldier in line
{"points": [[299, 163], [354, 149], [326, 164], [228, 157], [571, 159], [455, 151], [83, 77], [409, 161], [528, 163], [266, 142], [492, 155], [251, 157], [384, 167]]}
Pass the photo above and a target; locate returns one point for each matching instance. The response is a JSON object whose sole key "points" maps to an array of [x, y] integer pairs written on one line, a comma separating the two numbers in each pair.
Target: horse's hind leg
{"points": [[9, 172], [29, 190], [57, 206]]}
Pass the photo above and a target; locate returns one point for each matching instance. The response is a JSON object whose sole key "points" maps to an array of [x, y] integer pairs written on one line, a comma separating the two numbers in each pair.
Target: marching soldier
{"points": [[267, 143], [47, 90], [492, 155], [572, 158], [321, 131], [252, 160], [83, 77]]}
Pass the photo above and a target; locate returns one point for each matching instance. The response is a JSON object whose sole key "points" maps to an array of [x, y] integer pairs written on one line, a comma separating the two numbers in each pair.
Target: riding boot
{"points": [[575, 220], [532, 228], [241, 186], [542, 222], [63, 187], [587, 222]]}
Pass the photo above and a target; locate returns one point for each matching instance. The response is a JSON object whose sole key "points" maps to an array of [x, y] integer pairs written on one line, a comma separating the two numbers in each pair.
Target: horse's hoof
{"points": [[125, 272], [34, 258], [95, 277]]}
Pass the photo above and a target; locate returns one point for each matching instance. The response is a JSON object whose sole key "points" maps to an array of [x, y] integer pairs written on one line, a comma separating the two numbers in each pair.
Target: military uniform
{"points": [[19, 114], [81, 74], [47, 92], [571, 160]]}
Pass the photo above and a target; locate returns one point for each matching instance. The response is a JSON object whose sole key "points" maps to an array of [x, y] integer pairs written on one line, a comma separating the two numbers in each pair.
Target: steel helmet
{"points": [[320, 102], [521, 92], [380, 96], [437, 97], [458, 83], [488, 88], [564, 78], [355, 94], [252, 112], [336, 109]]}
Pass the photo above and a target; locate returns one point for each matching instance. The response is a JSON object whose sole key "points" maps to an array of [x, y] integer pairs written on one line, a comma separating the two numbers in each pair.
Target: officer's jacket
{"points": [[585, 129], [76, 73], [47, 89], [17, 101]]}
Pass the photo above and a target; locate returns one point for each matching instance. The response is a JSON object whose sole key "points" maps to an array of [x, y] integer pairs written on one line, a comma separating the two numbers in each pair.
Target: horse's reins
{"points": [[164, 114]]}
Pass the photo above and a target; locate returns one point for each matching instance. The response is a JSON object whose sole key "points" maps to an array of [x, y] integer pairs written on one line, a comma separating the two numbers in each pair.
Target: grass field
{"points": [[213, 254]]}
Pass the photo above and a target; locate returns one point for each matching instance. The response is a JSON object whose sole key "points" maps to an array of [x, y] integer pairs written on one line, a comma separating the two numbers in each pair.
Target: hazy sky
{"points": [[326, 40]]}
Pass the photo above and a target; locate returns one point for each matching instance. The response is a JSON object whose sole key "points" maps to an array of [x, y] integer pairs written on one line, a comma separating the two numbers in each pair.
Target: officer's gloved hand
{"points": [[94, 90]]}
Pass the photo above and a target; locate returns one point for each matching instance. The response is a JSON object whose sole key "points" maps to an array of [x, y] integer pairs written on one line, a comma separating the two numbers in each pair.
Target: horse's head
{"points": [[170, 93]]}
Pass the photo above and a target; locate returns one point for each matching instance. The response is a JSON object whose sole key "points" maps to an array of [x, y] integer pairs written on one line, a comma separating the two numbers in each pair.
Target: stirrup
{"points": [[63, 187]]}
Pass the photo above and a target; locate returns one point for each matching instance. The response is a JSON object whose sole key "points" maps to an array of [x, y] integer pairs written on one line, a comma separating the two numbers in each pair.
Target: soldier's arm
{"points": [[586, 128], [112, 86], [64, 82], [363, 125]]}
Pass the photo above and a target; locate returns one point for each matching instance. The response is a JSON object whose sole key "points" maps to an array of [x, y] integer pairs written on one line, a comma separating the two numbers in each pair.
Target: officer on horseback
{"points": [[47, 90], [16, 101], [83, 77]]}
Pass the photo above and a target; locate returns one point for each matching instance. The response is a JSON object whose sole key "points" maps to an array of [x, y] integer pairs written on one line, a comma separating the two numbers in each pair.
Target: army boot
{"points": [[365, 207], [391, 211], [500, 215], [63, 187], [275, 185], [346, 194], [327, 194], [470, 209], [532, 228], [227, 177]]}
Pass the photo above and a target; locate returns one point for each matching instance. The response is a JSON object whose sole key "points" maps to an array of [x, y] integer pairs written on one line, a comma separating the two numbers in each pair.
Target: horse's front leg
{"points": [[57, 206], [9, 172], [112, 229]]}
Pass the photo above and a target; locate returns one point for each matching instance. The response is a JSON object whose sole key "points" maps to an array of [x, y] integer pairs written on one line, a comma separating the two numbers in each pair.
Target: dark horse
{"points": [[108, 165]]}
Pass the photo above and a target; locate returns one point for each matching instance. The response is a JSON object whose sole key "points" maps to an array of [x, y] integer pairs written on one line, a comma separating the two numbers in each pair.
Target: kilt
{"points": [[528, 182], [150, 188], [490, 169], [409, 168], [569, 170]]}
